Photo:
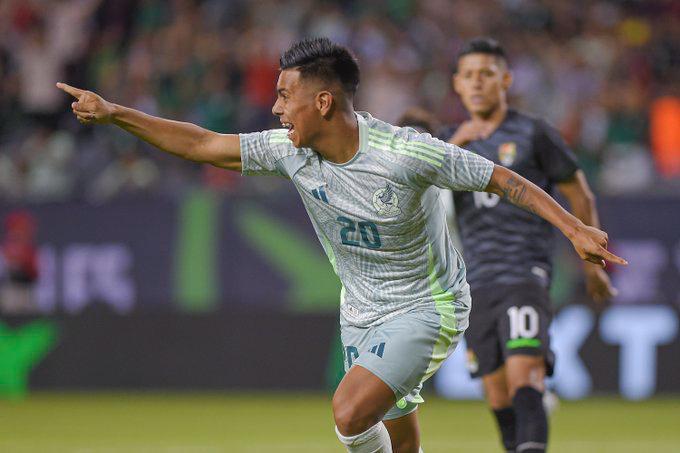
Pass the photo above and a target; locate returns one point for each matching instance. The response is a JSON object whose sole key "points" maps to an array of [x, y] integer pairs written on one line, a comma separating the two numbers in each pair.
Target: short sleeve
{"points": [[262, 153], [449, 166], [557, 160]]}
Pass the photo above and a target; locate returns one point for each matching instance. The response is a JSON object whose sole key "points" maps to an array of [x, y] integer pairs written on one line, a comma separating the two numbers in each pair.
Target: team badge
{"points": [[386, 202], [507, 153]]}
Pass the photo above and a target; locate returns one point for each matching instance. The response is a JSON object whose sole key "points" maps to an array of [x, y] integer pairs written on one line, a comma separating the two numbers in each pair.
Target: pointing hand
{"points": [[90, 108], [591, 245]]}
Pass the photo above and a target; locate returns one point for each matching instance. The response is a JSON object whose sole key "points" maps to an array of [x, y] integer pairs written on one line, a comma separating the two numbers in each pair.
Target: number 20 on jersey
{"points": [[369, 237]]}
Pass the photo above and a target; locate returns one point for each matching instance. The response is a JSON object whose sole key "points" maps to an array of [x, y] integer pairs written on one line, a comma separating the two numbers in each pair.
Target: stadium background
{"points": [[170, 278]]}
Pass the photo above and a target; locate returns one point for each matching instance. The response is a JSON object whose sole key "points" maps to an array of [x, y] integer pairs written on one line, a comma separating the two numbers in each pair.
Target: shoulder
{"points": [[274, 141], [445, 132], [277, 140], [271, 151], [404, 145], [532, 124]]}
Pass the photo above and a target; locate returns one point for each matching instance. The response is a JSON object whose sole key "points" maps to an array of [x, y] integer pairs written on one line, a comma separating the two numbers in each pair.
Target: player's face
{"points": [[296, 107], [481, 82]]}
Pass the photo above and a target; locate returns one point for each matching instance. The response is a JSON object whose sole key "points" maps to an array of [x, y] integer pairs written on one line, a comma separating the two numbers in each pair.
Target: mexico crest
{"points": [[507, 152], [386, 202]]}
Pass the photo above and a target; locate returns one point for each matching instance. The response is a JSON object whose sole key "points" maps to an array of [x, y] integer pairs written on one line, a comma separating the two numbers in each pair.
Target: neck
{"points": [[339, 143], [494, 118]]}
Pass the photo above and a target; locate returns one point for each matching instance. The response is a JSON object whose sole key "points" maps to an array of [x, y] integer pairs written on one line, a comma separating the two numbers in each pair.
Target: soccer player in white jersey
{"points": [[370, 190]]}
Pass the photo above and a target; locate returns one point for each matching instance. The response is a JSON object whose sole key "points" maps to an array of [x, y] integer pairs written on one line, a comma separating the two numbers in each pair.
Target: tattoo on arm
{"points": [[515, 191]]}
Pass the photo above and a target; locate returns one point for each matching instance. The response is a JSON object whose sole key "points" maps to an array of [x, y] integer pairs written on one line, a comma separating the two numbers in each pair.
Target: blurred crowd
{"points": [[606, 73]]}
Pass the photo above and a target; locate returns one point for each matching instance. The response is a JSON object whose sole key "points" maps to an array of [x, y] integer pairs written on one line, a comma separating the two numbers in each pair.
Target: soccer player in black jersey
{"points": [[507, 250]]}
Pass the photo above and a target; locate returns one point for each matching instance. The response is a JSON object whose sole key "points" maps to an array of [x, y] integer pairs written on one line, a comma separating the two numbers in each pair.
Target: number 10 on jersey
{"points": [[370, 237]]}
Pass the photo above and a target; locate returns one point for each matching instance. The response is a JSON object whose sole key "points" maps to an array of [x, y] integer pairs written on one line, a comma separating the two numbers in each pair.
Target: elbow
{"points": [[197, 150]]}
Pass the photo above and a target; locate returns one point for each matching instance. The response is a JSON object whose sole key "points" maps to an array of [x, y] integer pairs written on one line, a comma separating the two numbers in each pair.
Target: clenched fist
{"points": [[90, 108]]}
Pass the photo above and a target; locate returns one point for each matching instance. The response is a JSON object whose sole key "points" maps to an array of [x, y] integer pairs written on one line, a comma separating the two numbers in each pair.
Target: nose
{"points": [[276, 109], [477, 81]]}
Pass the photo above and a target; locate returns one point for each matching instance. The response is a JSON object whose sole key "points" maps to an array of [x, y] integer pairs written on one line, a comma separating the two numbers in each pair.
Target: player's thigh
{"points": [[360, 401], [399, 351], [523, 323], [404, 433], [496, 389], [404, 351], [525, 370]]}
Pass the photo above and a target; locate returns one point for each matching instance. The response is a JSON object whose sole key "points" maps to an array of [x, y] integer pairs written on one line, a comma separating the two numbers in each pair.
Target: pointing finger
{"points": [[73, 91], [595, 259], [606, 254]]}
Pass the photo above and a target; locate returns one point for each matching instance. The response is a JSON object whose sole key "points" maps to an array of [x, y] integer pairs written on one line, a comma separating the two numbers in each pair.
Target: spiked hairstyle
{"points": [[320, 58]]}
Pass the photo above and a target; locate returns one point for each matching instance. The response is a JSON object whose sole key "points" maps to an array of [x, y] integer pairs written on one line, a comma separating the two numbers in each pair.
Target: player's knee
{"points": [[526, 372], [496, 393], [350, 418], [499, 400], [532, 379]]}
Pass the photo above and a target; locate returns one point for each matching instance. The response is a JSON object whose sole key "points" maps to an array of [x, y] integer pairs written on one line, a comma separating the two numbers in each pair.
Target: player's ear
{"points": [[454, 83], [324, 102], [507, 80]]}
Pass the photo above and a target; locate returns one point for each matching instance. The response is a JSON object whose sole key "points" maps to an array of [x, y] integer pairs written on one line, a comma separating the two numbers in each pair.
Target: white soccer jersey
{"points": [[379, 217]]}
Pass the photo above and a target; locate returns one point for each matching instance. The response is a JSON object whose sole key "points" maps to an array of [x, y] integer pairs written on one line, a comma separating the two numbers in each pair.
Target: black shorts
{"points": [[508, 320]]}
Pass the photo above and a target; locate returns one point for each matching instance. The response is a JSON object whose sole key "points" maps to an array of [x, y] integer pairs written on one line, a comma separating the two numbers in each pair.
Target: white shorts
{"points": [[406, 350]]}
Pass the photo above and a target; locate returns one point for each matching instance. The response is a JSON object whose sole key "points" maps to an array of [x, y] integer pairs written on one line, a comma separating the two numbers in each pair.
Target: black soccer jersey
{"points": [[502, 243]]}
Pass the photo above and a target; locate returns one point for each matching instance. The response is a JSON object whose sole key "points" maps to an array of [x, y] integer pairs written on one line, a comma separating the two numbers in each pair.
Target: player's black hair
{"points": [[319, 57], [485, 45]]}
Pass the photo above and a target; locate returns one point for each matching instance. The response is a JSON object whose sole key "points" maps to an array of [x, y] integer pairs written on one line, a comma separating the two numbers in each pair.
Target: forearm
{"points": [[458, 140], [526, 195], [181, 139], [584, 210], [175, 137]]}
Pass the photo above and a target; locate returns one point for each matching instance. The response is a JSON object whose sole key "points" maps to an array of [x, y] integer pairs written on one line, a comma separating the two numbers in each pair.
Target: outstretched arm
{"points": [[185, 140], [589, 242]]}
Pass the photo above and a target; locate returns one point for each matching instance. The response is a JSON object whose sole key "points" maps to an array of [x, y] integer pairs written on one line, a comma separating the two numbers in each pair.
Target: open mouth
{"points": [[290, 128]]}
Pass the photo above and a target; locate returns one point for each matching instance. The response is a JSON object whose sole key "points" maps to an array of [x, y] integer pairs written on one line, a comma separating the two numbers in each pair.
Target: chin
{"points": [[297, 141], [482, 111]]}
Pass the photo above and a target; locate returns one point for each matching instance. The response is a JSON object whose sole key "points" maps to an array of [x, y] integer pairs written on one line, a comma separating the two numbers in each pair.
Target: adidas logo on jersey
{"points": [[320, 194]]}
